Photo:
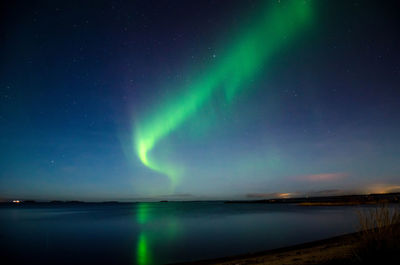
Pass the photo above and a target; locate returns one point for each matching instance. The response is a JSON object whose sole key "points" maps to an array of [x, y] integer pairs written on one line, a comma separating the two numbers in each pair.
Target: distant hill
{"points": [[332, 200]]}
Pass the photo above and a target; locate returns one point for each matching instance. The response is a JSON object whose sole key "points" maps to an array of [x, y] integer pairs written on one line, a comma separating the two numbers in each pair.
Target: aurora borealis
{"points": [[198, 100], [272, 30]]}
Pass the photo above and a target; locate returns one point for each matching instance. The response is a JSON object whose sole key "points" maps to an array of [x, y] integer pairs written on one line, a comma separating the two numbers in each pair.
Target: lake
{"points": [[159, 233]]}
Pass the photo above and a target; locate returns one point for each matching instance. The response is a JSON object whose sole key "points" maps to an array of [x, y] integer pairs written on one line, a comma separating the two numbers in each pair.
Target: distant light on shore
{"points": [[16, 201]]}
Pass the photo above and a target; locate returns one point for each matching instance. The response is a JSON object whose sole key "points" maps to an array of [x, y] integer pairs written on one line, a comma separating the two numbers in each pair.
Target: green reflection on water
{"points": [[143, 213], [158, 227], [143, 251]]}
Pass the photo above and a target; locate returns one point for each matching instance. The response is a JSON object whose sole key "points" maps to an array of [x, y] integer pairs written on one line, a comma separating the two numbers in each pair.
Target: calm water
{"points": [[158, 233]]}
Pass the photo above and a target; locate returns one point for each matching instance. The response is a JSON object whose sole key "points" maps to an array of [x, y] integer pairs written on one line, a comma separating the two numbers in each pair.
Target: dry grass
{"points": [[379, 237]]}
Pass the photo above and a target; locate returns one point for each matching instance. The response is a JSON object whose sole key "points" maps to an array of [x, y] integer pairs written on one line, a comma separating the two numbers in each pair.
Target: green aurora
{"points": [[278, 25]]}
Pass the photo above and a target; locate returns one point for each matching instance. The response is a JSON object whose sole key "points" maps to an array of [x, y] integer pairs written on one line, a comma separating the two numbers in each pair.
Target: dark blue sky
{"points": [[76, 76]]}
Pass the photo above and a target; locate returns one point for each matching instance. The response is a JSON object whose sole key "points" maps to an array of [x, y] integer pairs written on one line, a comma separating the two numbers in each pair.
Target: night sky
{"points": [[149, 100]]}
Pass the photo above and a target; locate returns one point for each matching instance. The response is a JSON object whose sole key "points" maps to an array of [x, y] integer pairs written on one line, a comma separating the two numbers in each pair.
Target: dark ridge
{"points": [[29, 201], [109, 202], [56, 201], [343, 199]]}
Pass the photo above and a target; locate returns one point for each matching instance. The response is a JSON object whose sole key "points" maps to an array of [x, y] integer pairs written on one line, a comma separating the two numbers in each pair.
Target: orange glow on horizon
{"points": [[382, 188]]}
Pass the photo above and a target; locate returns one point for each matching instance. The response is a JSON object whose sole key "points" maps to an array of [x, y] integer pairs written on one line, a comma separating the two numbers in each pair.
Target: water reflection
{"points": [[143, 212], [158, 228], [143, 251], [159, 233]]}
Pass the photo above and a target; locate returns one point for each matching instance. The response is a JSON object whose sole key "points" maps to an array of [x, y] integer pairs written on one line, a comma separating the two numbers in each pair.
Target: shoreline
{"points": [[339, 200], [324, 251], [333, 200]]}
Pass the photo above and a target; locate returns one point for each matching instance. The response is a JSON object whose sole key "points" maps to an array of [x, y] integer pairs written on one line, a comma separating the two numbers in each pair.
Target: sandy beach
{"points": [[334, 250]]}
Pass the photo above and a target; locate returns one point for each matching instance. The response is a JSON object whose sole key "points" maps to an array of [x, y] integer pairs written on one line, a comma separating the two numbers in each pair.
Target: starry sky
{"points": [[187, 100]]}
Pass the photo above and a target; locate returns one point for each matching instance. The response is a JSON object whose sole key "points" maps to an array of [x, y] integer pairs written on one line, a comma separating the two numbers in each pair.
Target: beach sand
{"points": [[329, 251]]}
